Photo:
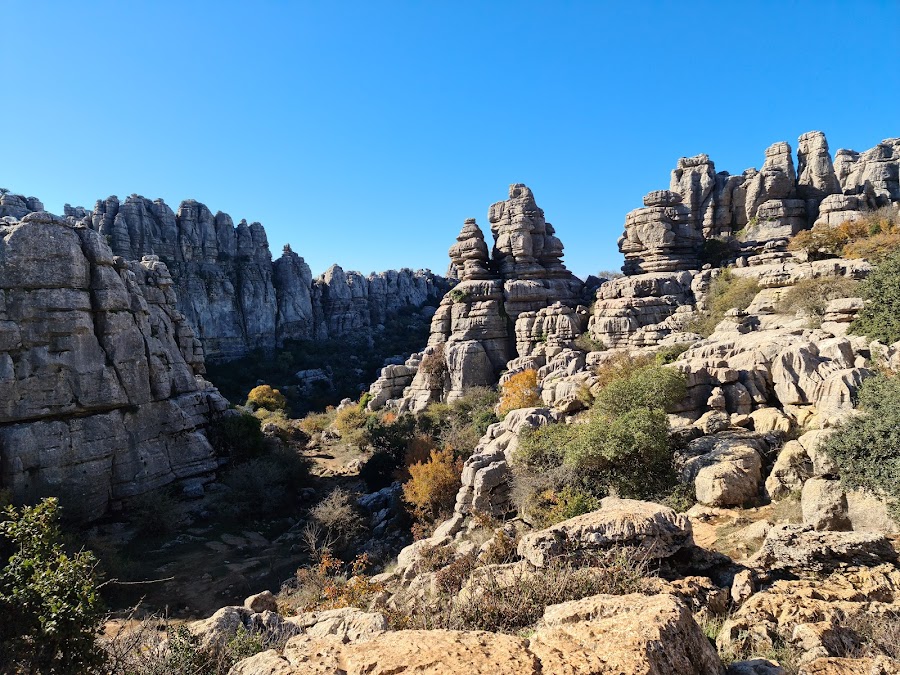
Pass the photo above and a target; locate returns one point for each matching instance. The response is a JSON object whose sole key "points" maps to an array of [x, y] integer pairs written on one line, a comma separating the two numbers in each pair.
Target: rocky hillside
{"points": [[101, 388], [232, 293]]}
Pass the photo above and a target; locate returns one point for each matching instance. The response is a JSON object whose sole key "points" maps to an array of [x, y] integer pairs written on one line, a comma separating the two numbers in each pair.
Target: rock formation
{"points": [[749, 218], [232, 292], [475, 330], [101, 394]]}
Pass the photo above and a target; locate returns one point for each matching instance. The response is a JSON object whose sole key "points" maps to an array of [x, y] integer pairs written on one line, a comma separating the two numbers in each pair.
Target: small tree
{"points": [[49, 603], [432, 487], [880, 318], [264, 396], [519, 391]]}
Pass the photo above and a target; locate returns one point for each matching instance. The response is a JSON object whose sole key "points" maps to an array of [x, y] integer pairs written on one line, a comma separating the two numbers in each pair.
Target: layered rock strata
{"points": [[500, 300], [233, 294], [748, 219], [101, 394]]}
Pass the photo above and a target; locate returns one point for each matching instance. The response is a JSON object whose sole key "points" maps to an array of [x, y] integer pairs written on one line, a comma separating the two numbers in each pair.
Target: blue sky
{"points": [[364, 133]]}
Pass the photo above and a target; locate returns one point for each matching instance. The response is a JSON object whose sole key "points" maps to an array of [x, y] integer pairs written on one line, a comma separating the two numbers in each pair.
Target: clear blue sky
{"points": [[364, 133]]}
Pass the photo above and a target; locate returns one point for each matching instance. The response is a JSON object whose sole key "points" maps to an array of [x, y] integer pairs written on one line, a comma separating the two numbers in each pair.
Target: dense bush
{"points": [[519, 391], [267, 484], [462, 423], [237, 436], [872, 236], [622, 445], [153, 513], [350, 423], [49, 602], [865, 447], [264, 396], [726, 292], [432, 487], [880, 318], [389, 436], [811, 296], [587, 343]]}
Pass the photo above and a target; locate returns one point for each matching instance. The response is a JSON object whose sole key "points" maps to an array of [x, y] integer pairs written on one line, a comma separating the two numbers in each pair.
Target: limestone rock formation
{"points": [[600, 634], [476, 324], [656, 531], [232, 292], [101, 394]]}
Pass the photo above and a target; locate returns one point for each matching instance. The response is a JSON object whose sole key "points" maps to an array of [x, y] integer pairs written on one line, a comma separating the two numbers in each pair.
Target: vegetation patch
{"points": [[865, 446], [726, 292], [880, 317]]}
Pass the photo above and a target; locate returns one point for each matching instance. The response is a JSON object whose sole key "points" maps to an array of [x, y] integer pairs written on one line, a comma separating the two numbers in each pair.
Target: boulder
{"points": [[824, 505], [656, 531], [799, 549]]}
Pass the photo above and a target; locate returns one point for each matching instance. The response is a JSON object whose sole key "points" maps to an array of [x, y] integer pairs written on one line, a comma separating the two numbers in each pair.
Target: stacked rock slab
{"points": [[100, 390], [232, 292], [663, 242], [474, 331]]}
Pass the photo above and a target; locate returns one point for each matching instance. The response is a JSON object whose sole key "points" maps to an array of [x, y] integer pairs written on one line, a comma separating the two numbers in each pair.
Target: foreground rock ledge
{"points": [[600, 635]]}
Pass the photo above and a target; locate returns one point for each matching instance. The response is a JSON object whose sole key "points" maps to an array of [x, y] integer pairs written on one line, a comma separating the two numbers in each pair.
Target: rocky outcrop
{"points": [[232, 292], [652, 531], [476, 325], [600, 634], [747, 219], [101, 389]]}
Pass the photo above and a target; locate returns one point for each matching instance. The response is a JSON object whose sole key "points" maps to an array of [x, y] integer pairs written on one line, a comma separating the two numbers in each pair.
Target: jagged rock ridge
{"points": [[238, 298]]}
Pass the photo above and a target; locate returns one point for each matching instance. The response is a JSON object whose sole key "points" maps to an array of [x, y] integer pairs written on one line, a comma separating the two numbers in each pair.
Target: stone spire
{"points": [[469, 256]]}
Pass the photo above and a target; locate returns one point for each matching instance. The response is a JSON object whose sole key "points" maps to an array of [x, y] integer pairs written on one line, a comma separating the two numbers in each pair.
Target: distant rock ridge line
{"points": [[232, 293]]}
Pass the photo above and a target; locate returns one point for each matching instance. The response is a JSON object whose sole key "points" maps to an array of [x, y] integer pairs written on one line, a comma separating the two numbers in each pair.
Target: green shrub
{"points": [[238, 437], [461, 424], [865, 447], [880, 318], [670, 353], [622, 446], [647, 387], [586, 343], [716, 252], [811, 296], [49, 603], [153, 513], [726, 292], [265, 485]]}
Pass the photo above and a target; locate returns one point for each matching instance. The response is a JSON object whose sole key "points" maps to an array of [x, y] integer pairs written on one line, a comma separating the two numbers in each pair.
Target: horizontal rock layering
{"points": [[101, 389], [500, 299], [232, 293]]}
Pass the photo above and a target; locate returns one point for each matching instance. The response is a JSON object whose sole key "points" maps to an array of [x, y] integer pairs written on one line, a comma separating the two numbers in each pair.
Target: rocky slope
{"points": [[232, 293], [101, 388]]}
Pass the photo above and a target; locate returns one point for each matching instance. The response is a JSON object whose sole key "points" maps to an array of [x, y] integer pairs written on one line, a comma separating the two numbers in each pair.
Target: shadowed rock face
{"points": [[232, 292], [101, 394]]}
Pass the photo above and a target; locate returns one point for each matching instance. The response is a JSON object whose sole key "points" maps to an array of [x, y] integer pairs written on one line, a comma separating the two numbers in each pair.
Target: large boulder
{"points": [[656, 531]]}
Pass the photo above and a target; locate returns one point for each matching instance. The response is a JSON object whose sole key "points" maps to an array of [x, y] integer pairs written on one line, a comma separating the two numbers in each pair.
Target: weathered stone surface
{"points": [[603, 635], [799, 549], [476, 321], [811, 614], [235, 296], [815, 173], [824, 505], [880, 665], [101, 394], [656, 530], [607, 634], [727, 470]]}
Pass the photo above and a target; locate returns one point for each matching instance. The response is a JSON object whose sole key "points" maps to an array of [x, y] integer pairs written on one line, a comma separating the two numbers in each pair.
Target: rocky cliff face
{"points": [[475, 331], [101, 388], [232, 292]]}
